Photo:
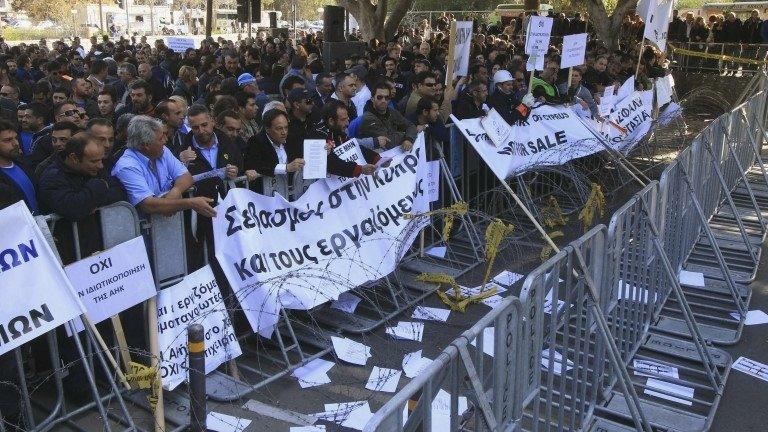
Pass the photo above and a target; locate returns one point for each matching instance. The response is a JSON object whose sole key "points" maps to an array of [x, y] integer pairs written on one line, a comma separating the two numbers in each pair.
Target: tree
{"points": [[377, 19], [40, 10], [608, 27]]}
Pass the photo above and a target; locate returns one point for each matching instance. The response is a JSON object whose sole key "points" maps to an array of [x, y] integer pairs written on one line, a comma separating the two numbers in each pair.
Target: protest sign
{"points": [[657, 22], [194, 300], [37, 296], [537, 41], [629, 121], [316, 159], [663, 87], [348, 151], [496, 127], [112, 281], [179, 44], [298, 255], [574, 48], [463, 43], [433, 181], [552, 135]]}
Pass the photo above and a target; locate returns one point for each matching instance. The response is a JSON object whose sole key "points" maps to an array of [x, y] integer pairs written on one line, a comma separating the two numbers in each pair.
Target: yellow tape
{"points": [[595, 205], [721, 57], [140, 376]]}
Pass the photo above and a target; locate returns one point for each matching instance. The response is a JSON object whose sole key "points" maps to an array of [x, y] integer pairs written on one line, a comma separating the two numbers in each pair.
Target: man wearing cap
{"points": [[299, 117], [504, 101], [248, 84]]}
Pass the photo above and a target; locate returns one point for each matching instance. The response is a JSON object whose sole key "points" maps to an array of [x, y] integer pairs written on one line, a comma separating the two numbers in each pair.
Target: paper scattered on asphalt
{"points": [[473, 291], [754, 317], [441, 410], [407, 330], [430, 313], [437, 251], [751, 367], [652, 369], [487, 336], [347, 302], [225, 423], [548, 303], [629, 292], [557, 364], [672, 389], [318, 428], [507, 277], [353, 415], [414, 364], [493, 301], [383, 380], [691, 279], [314, 373], [351, 351]]}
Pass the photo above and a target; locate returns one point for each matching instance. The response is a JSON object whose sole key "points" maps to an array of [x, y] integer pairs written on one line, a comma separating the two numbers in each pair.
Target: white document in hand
{"points": [[315, 159]]}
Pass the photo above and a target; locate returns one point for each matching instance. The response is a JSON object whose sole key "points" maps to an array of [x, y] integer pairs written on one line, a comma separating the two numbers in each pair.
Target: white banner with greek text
{"points": [[37, 296], [195, 300], [301, 254]]}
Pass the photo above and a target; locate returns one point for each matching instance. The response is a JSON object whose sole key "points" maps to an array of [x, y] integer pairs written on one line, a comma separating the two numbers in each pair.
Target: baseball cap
{"points": [[502, 75], [245, 79], [298, 94]]}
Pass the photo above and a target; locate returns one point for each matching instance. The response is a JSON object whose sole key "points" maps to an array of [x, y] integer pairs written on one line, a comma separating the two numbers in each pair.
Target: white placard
{"points": [[194, 300], [657, 22], [315, 160], [114, 280], [348, 151], [179, 44], [751, 367], [574, 49], [461, 48], [538, 34], [496, 127], [664, 90], [37, 295], [433, 180]]}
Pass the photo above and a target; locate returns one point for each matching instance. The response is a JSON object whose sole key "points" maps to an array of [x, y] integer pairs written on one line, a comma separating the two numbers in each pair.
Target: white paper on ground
{"points": [[751, 367], [441, 410], [493, 301], [437, 251], [414, 364], [673, 389], [225, 423], [473, 291], [548, 303], [353, 415], [691, 279], [754, 317], [407, 330], [314, 373], [488, 334], [351, 351], [430, 313], [507, 277], [383, 380], [319, 428], [629, 292], [557, 362], [647, 368], [347, 302]]}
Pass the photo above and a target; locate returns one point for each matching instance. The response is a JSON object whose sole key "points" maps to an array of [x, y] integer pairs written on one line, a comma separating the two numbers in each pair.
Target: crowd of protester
{"points": [[131, 121]]}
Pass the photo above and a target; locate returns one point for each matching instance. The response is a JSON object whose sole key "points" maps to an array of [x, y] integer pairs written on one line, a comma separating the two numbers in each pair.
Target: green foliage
{"points": [[32, 34]]}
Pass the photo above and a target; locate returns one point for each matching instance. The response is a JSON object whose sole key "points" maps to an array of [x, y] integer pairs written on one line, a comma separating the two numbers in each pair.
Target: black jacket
{"points": [[465, 107], [506, 106], [336, 166], [10, 193], [261, 156], [228, 154], [677, 29], [75, 197]]}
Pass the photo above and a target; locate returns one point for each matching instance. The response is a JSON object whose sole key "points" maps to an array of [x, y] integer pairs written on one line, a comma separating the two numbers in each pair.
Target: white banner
{"points": [[298, 255], [114, 280], [462, 47], [553, 135], [37, 296], [179, 44], [629, 121], [663, 87], [194, 300], [657, 22], [574, 49]]}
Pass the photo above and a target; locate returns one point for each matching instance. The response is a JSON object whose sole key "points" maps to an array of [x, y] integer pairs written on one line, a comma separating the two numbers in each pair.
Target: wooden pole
{"points": [[154, 347], [530, 216], [106, 350], [639, 57], [449, 66], [122, 344], [570, 78]]}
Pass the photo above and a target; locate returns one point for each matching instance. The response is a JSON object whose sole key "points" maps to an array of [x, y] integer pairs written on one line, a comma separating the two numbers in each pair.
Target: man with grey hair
{"points": [[153, 178]]}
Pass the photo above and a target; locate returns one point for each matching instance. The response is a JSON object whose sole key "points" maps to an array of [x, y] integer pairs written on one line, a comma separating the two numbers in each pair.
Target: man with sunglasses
{"points": [[380, 120], [42, 146], [423, 85]]}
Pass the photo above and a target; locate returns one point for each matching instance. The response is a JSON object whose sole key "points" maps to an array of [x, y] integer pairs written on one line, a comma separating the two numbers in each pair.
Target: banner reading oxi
{"points": [[37, 296], [553, 135], [298, 255]]}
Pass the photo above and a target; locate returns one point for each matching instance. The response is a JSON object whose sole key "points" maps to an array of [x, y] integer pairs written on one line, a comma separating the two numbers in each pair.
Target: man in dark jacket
{"points": [[380, 119], [504, 101], [15, 181], [470, 103], [677, 28]]}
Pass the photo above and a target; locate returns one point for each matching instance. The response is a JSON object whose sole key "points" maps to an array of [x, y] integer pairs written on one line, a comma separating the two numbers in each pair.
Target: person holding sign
{"points": [[267, 151], [333, 129], [511, 109]]}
